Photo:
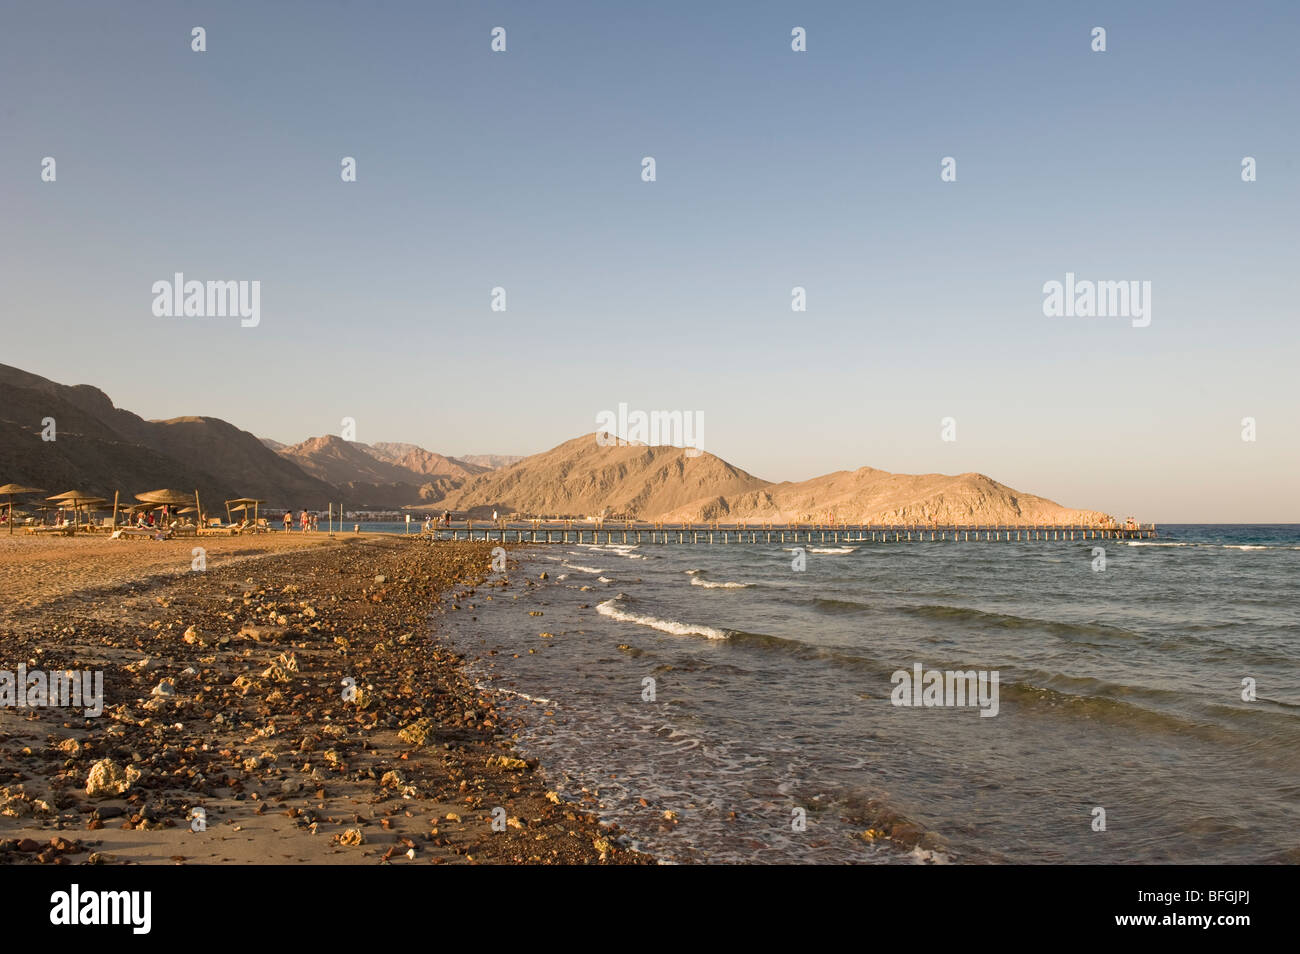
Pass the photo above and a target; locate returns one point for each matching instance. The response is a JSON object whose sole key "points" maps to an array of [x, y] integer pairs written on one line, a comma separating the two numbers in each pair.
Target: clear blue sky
{"points": [[775, 169]]}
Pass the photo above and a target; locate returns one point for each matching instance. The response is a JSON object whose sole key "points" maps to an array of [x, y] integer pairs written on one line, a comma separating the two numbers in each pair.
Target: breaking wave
{"points": [[611, 609]]}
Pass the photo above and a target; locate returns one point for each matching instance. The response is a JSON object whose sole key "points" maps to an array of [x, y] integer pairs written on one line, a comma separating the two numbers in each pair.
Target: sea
{"points": [[721, 705]]}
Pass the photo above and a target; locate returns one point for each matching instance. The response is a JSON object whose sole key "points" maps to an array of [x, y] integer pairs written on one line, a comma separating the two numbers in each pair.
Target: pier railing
{"points": [[629, 532]]}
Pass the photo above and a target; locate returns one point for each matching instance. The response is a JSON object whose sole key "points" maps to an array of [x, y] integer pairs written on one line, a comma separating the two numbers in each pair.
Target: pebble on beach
{"points": [[299, 689]]}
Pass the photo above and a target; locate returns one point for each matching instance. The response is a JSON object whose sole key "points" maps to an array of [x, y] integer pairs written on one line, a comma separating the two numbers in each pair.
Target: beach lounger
{"points": [[138, 533], [216, 529]]}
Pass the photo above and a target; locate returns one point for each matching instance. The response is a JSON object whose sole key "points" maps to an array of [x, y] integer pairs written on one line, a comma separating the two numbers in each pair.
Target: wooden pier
{"points": [[629, 534]]}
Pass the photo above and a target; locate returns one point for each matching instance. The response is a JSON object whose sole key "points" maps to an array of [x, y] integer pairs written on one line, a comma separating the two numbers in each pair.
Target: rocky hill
{"points": [[582, 478], [100, 448]]}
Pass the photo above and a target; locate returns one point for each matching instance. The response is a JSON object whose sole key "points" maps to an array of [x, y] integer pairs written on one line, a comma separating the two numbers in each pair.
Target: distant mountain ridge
{"points": [[326, 455], [421, 462], [868, 495], [583, 478], [492, 461], [386, 475], [336, 461], [101, 448]]}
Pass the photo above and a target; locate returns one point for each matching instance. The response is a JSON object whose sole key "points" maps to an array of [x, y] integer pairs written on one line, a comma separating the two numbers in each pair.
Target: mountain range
{"points": [[582, 477], [99, 448]]}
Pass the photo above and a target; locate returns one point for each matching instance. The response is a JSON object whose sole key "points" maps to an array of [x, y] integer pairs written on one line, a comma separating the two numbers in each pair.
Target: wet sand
{"points": [[225, 690]]}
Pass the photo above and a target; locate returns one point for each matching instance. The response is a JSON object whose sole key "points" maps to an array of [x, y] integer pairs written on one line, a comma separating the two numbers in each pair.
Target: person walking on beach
{"points": [[288, 521], [315, 522], [303, 521]]}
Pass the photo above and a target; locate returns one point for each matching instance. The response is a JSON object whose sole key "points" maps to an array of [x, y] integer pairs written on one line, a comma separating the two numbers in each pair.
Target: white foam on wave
{"points": [[618, 549], [626, 550], [583, 569], [671, 626], [823, 549], [1219, 546], [515, 694], [603, 579], [709, 584]]}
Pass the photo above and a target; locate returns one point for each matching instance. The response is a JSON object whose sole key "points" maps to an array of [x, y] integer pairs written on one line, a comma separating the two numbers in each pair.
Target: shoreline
{"points": [[559, 614], [224, 689]]}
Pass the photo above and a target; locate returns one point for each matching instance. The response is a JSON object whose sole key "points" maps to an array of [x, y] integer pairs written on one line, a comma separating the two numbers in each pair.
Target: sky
{"points": [[522, 170]]}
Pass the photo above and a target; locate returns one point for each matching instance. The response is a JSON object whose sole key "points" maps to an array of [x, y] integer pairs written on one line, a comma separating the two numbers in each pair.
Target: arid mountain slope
{"points": [[878, 496], [580, 477], [421, 462], [101, 448]]}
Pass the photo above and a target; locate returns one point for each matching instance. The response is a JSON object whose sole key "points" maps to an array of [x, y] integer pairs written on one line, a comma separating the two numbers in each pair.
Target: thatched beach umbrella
{"points": [[173, 498], [69, 495], [92, 505], [72, 500], [130, 510], [242, 505], [87, 505], [168, 497], [11, 490], [43, 508]]}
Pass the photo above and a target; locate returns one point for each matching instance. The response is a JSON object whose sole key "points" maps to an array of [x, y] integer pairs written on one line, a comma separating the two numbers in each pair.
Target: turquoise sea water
{"points": [[1120, 689]]}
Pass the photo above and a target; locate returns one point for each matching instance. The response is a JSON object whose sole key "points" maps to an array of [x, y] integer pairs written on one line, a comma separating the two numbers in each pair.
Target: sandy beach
{"points": [[224, 691]]}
